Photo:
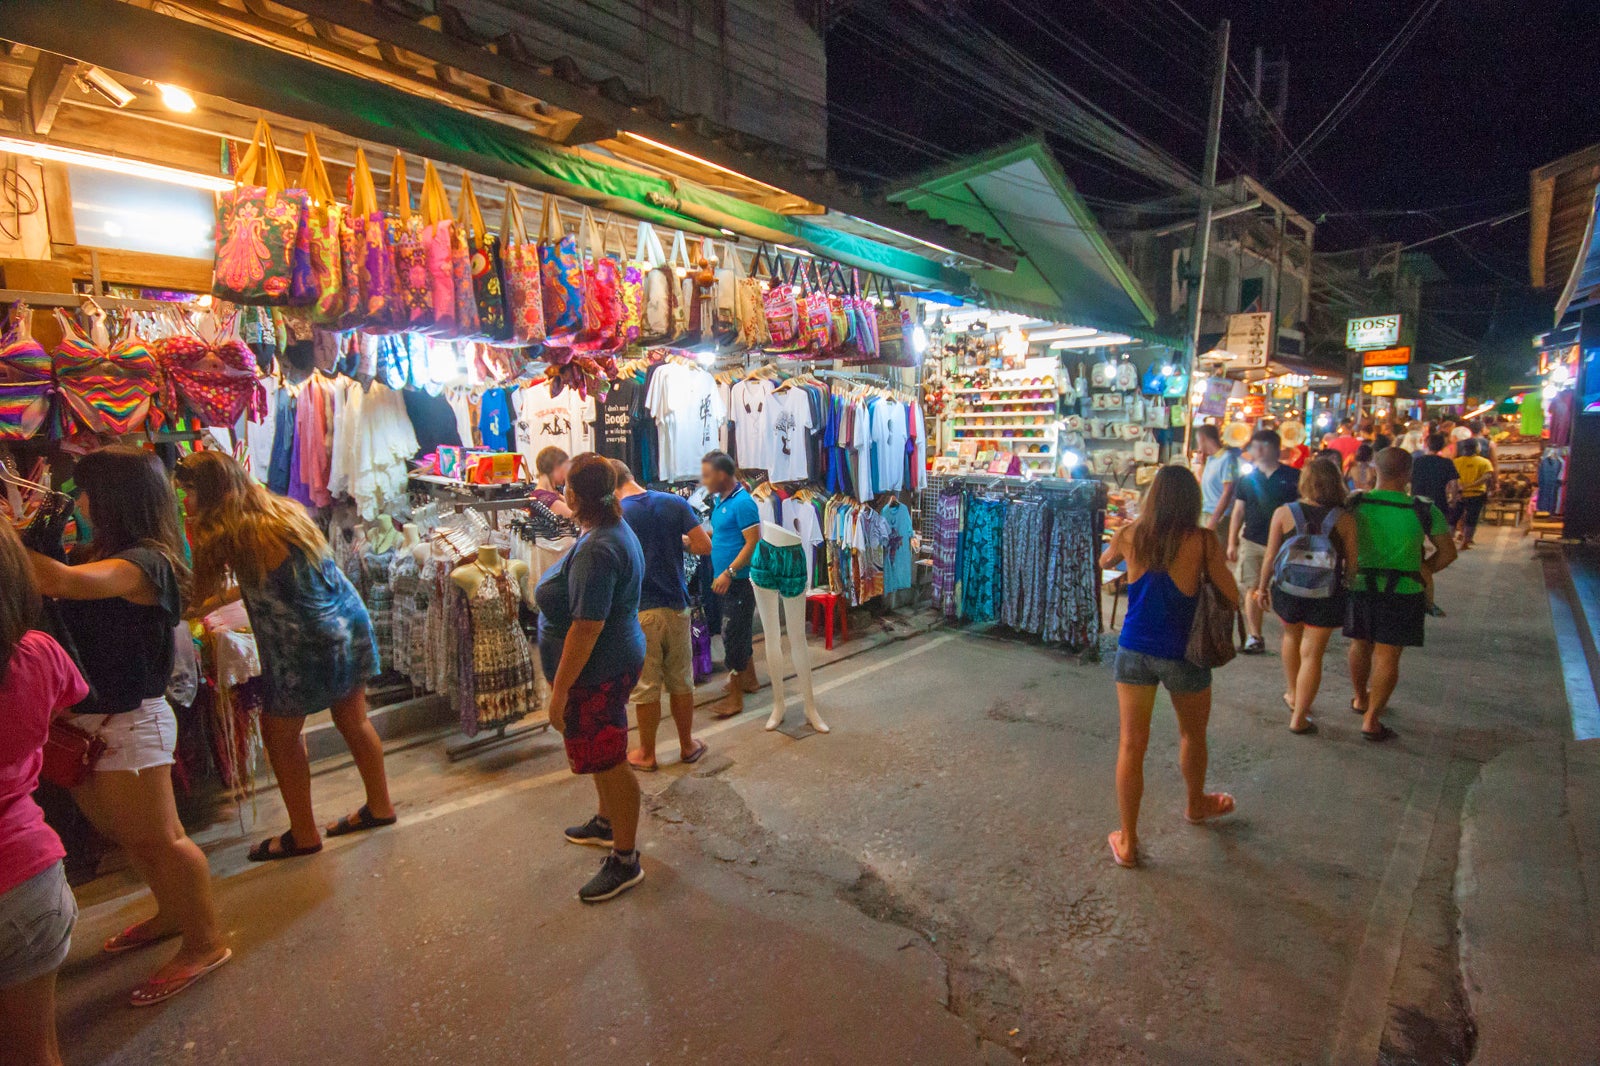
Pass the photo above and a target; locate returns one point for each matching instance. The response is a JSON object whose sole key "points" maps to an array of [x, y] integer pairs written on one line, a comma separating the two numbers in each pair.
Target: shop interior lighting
{"points": [[1062, 333], [174, 98], [919, 339], [681, 154], [135, 168], [1099, 340], [1014, 343]]}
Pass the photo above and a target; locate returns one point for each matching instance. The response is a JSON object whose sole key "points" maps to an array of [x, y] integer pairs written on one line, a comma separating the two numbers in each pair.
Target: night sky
{"points": [[1486, 91]]}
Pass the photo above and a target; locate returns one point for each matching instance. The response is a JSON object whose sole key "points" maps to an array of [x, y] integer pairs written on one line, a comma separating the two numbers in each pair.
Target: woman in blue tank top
{"points": [[1167, 552]]}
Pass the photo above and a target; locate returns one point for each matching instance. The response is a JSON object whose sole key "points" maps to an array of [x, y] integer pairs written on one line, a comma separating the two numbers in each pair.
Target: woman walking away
{"points": [[312, 631], [1313, 545], [592, 649], [1168, 555], [120, 601], [37, 682], [1361, 474]]}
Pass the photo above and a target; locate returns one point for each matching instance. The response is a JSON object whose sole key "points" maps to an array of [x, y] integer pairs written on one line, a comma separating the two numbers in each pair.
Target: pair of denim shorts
{"points": [[1179, 675], [36, 919]]}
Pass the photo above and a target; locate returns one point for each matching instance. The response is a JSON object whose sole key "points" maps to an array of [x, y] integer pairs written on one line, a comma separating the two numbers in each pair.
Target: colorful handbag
{"points": [[817, 327], [750, 307], [466, 296], [782, 310], [379, 309], [323, 232], [630, 291], [487, 288], [560, 278], [258, 229], [410, 253], [602, 295], [438, 242], [658, 283], [520, 262]]}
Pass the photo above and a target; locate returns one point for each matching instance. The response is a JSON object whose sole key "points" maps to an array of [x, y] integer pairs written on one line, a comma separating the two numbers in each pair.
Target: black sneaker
{"points": [[615, 878], [1435, 610], [596, 832], [1254, 646]]}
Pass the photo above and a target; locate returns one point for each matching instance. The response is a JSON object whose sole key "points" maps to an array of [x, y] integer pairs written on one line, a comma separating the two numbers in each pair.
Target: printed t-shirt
{"points": [[750, 408], [1474, 471], [40, 682], [613, 427], [126, 647], [545, 421], [790, 417], [1220, 471], [1431, 475], [495, 421], [1261, 495], [897, 548], [730, 517], [1390, 537], [690, 413], [660, 520], [599, 580]]}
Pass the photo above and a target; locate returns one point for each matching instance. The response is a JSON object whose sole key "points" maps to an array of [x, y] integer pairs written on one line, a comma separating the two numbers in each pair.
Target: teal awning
{"points": [[1067, 270]]}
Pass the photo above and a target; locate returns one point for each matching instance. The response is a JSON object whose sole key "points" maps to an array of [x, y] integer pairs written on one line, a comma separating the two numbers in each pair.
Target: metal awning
{"points": [[1583, 284], [1067, 271]]}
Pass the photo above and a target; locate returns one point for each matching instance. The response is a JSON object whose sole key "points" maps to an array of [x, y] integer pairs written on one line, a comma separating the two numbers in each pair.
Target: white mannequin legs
{"points": [[794, 619]]}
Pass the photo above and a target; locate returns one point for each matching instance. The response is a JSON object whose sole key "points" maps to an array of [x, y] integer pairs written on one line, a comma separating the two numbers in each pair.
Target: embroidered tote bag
{"points": [[520, 264], [781, 305], [602, 295], [258, 229], [561, 277], [438, 240], [467, 326], [630, 289], [323, 231], [487, 288], [410, 254], [380, 309], [749, 306], [657, 280]]}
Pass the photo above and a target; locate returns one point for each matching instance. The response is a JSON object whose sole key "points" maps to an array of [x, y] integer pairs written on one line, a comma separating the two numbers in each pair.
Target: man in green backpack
{"points": [[1387, 604]]}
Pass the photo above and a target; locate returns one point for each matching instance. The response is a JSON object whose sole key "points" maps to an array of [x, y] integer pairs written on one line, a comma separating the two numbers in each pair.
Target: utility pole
{"points": [[1201, 250]]}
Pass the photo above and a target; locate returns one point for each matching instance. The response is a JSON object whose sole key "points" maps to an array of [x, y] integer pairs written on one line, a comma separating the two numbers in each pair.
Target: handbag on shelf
{"points": [[520, 261], [324, 233], [259, 231], [438, 244], [561, 278], [1146, 449], [414, 292], [1211, 634], [484, 248]]}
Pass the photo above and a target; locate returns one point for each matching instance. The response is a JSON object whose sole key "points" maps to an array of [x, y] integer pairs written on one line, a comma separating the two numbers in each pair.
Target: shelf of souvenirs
{"points": [[1017, 406], [1029, 433], [1050, 426], [1046, 449], [1037, 392]]}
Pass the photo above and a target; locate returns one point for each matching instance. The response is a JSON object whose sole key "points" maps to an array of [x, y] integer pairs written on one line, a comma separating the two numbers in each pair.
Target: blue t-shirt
{"points": [[494, 420], [730, 517], [897, 548], [660, 520], [1220, 471], [597, 581]]}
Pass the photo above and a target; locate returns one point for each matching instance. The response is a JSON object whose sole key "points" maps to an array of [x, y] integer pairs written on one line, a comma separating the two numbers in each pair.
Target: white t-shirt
{"points": [[545, 421], [689, 413], [750, 408], [787, 426]]}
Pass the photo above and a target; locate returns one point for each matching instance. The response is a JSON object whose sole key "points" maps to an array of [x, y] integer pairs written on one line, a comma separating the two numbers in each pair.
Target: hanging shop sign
{"points": [[1386, 357], [1386, 373], [1380, 388], [1215, 401], [1447, 387], [1373, 331], [1253, 407], [1249, 339]]}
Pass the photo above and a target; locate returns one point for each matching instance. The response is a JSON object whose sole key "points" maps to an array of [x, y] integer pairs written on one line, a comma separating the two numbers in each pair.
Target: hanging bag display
{"points": [[324, 225], [817, 327], [258, 230], [410, 253], [561, 277], [379, 309], [725, 295], [520, 261], [895, 330], [780, 305], [657, 283], [683, 289], [484, 248], [467, 326], [630, 289], [438, 243], [1146, 449], [751, 307], [602, 298]]}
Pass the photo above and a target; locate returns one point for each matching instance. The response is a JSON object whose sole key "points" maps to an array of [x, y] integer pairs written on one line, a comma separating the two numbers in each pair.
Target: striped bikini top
{"points": [[26, 382], [22, 359], [105, 390]]}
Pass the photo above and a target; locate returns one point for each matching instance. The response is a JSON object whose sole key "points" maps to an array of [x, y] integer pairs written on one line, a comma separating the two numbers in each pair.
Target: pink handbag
{"points": [[520, 259]]}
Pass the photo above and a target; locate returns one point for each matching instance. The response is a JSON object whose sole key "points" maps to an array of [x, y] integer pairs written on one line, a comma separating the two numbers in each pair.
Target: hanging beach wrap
{"points": [[106, 389], [258, 229]]}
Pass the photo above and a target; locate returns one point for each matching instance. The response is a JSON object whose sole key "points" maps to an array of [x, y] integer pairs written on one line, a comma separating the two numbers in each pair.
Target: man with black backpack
{"points": [[1387, 604]]}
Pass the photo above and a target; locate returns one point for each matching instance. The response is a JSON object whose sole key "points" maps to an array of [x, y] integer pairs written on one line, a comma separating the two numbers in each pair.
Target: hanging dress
{"points": [[500, 660]]}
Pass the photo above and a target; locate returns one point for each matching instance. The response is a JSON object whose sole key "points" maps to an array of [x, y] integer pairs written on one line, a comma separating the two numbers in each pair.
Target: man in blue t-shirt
{"points": [[665, 526], [735, 528]]}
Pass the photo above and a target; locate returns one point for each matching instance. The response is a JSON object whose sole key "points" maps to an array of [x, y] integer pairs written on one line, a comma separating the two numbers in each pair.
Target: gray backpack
{"points": [[1308, 563]]}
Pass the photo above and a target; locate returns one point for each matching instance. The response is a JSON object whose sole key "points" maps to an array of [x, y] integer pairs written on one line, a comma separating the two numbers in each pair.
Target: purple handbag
{"points": [[700, 642]]}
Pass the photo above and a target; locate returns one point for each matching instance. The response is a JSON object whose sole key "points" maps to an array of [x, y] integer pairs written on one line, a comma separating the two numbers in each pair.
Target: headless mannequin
{"points": [[468, 578], [383, 536], [768, 603], [420, 549], [410, 536]]}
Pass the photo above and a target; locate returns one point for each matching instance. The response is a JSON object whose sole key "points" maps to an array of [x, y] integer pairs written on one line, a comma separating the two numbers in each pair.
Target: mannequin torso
{"points": [[469, 577], [777, 535]]}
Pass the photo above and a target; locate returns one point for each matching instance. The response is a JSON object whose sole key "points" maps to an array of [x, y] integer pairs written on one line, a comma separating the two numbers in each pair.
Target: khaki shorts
{"points": [[668, 655], [1247, 571]]}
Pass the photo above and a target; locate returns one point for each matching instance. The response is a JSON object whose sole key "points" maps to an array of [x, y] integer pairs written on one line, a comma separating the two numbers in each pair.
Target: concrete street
{"points": [[928, 884]]}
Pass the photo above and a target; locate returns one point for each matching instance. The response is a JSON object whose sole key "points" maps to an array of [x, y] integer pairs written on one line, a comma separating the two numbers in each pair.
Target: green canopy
{"points": [[1067, 270]]}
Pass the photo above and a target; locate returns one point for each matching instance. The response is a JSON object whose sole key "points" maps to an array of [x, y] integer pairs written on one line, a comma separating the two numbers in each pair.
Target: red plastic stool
{"points": [[819, 606]]}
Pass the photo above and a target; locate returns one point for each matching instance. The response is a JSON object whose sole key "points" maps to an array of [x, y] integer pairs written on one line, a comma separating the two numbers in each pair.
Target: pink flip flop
{"points": [[160, 989], [125, 941], [1224, 806], [1127, 863]]}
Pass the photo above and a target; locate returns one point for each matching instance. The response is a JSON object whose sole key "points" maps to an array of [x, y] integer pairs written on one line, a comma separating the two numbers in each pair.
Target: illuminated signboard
{"points": [[1386, 357], [1382, 388], [1385, 373], [1373, 331], [1447, 387]]}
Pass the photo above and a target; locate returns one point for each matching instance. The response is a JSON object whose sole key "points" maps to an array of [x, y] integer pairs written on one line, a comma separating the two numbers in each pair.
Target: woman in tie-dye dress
{"points": [[313, 634]]}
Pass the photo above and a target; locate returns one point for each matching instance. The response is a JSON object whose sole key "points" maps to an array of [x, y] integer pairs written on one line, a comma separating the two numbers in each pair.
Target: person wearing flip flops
{"points": [[665, 525], [312, 631], [1388, 601], [1169, 554], [591, 648], [120, 601]]}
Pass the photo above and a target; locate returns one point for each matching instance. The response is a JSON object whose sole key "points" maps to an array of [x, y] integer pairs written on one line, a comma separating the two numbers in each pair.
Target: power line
{"points": [[1495, 221]]}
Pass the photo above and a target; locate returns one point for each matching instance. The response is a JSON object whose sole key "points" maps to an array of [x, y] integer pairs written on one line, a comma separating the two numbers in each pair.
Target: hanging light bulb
{"points": [[174, 98], [1014, 343]]}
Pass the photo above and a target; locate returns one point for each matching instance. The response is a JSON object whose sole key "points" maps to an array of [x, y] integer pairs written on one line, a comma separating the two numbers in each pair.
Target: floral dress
{"points": [[313, 634]]}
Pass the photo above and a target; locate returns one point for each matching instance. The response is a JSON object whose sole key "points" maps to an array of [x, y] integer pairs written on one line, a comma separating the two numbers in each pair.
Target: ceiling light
{"points": [[95, 80], [680, 153], [134, 168], [1099, 340], [175, 98], [1064, 333]]}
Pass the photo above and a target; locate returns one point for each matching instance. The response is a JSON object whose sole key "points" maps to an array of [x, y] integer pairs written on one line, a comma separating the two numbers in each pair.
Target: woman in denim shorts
{"points": [[1167, 551]]}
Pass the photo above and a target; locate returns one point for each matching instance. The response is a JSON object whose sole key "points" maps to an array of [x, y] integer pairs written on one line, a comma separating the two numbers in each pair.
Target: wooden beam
{"points": [[142, 269], [47, 85]]}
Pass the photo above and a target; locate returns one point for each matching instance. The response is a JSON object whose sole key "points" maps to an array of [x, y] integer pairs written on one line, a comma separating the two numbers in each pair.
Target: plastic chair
{"points": [[820, 609]]}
